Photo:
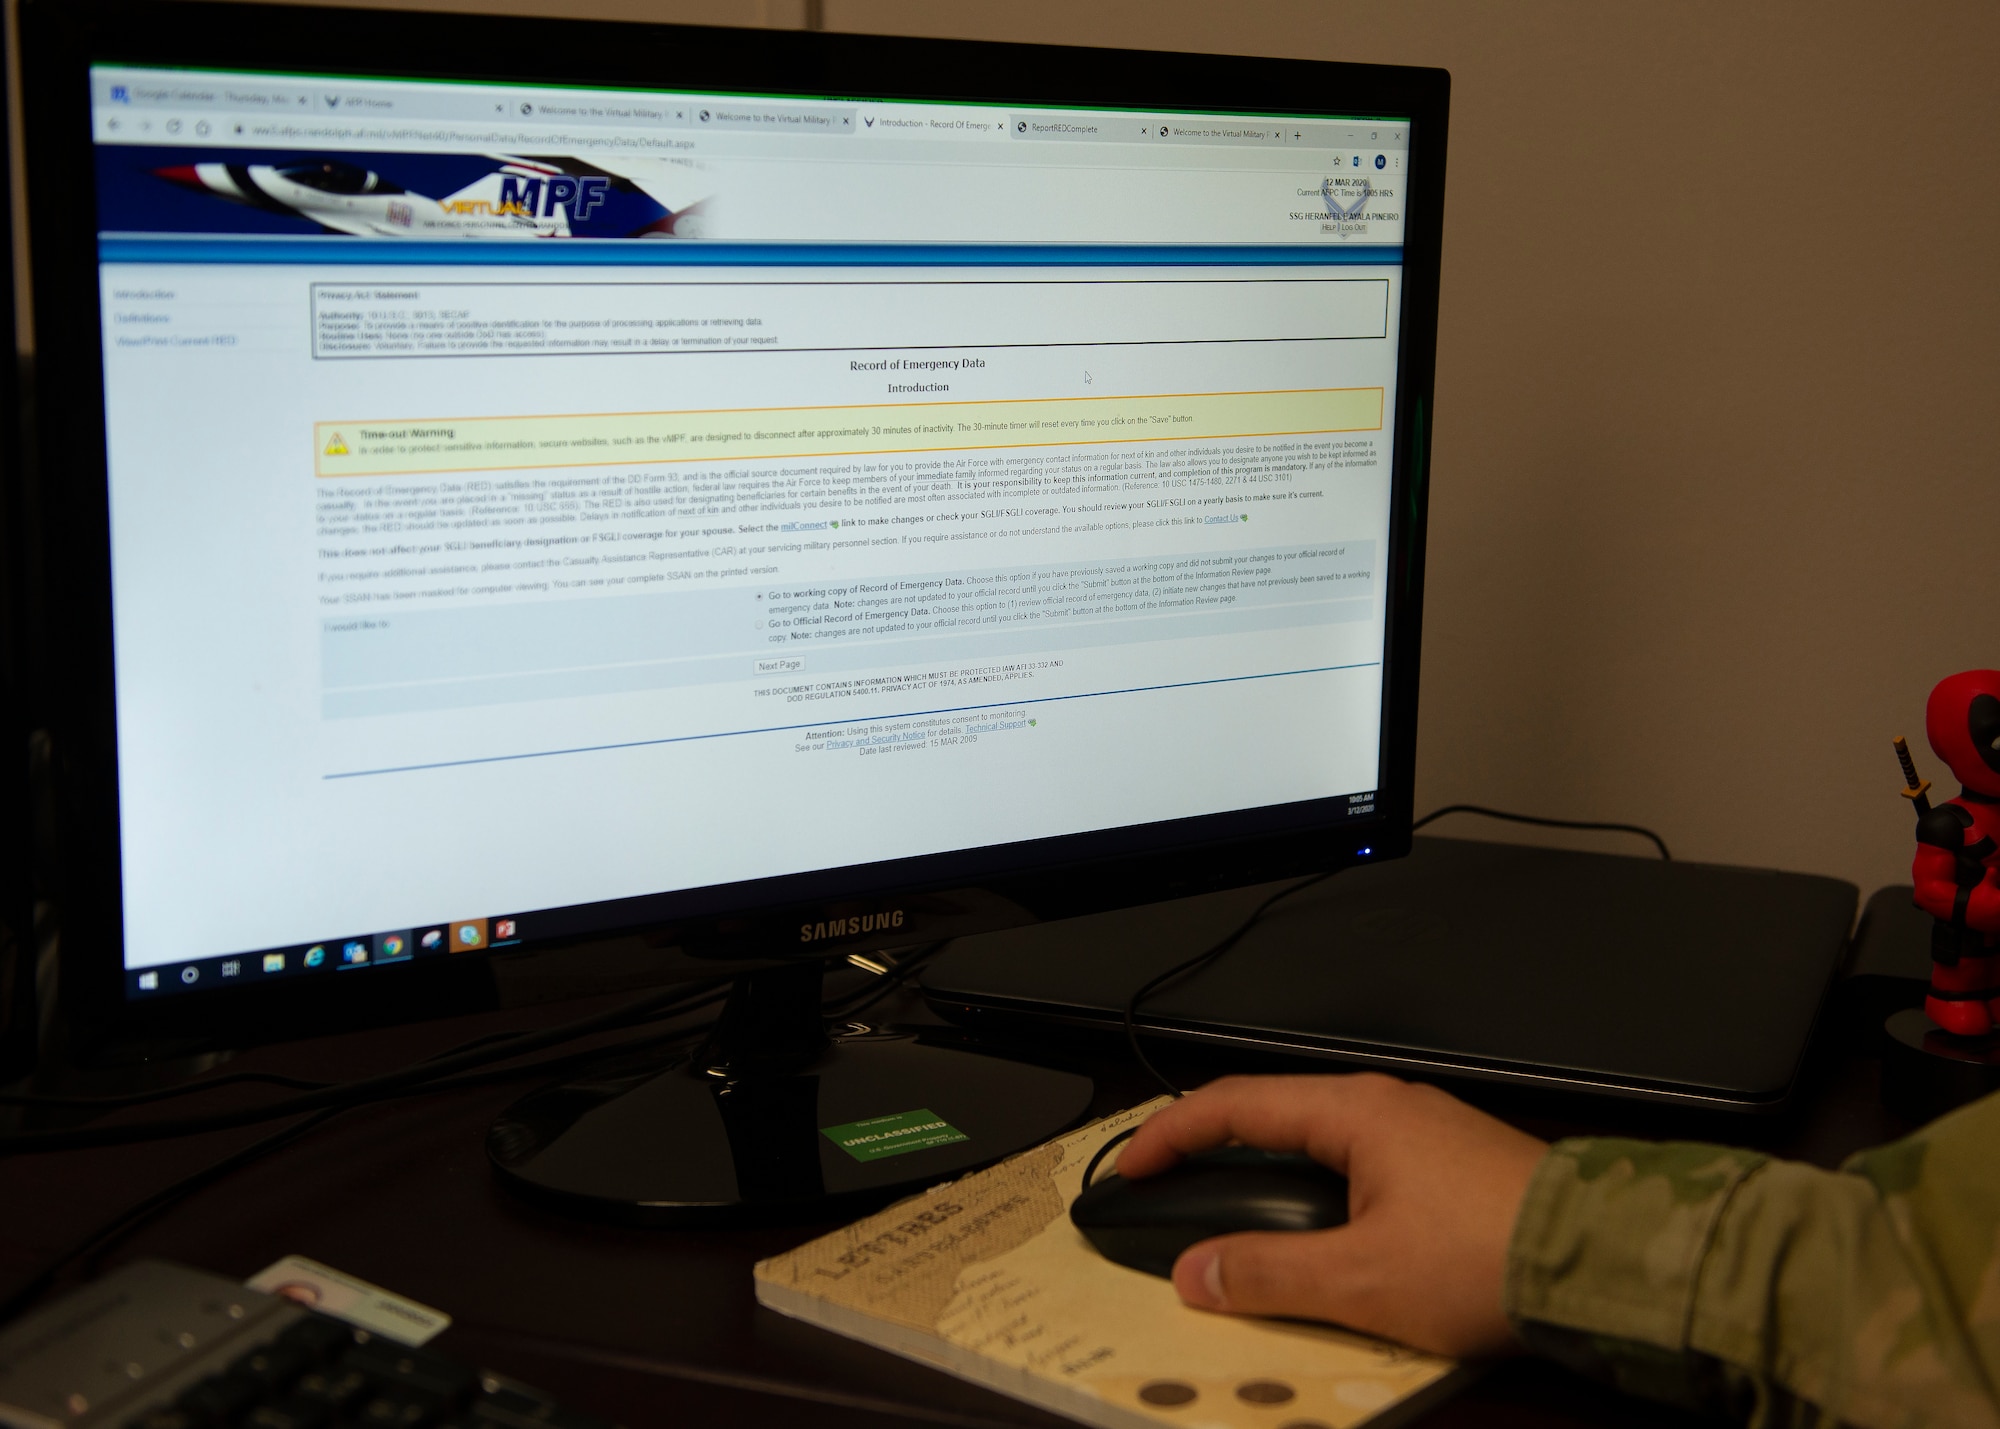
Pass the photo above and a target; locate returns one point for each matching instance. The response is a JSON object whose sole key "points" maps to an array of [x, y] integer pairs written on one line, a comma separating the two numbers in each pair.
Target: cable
{"points": [[436, 1074], [1483, 811], [1200, 960], [195, 1088], [135, 1216], [900, 971], [364, 1089], [187, 1089], [205, 1084], [1119, 1140], [553, 1066]]}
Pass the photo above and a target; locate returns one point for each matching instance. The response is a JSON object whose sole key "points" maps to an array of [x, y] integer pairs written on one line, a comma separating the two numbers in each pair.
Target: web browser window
{"points": [[525, 498]]}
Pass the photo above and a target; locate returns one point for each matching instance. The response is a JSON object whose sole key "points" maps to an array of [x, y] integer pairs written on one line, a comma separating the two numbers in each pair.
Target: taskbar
{"points": [[457, 938], [332, 955]]}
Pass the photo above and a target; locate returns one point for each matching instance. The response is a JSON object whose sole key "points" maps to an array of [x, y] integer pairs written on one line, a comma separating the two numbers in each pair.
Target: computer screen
{"points": [[538, 509]]}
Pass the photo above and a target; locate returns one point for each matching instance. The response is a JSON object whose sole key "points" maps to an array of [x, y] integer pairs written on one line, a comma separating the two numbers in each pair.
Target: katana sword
{"points": [[1916, 790]]}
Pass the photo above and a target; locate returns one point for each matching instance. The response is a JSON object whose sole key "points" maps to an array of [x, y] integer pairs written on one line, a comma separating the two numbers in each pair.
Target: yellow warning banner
{"points": [[412, 447]]}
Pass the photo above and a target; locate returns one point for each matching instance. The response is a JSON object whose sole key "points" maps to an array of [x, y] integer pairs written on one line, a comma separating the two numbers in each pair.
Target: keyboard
{"points": [[155, 1345]]}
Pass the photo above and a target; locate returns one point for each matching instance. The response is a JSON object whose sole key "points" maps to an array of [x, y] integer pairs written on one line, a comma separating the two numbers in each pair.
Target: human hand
{"points": [[1433, 1190]]}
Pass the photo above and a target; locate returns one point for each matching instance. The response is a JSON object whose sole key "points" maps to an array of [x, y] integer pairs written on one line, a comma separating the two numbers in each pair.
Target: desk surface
{"points": [[651, 1327]]}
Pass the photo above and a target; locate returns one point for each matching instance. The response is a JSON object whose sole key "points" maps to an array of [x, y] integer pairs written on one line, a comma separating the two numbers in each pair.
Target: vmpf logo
{"points": [[532, 198]]}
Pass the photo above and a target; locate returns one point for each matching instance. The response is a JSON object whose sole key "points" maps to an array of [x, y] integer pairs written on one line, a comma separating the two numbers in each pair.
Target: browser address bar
{"points": [[485, 137]]}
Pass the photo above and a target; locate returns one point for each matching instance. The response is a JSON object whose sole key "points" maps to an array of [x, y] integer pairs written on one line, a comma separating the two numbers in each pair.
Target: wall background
{"points": [[1716, 490]]}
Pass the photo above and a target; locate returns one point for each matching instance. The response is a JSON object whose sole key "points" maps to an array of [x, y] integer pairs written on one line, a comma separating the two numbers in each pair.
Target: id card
{"points": [[368, 1307]]}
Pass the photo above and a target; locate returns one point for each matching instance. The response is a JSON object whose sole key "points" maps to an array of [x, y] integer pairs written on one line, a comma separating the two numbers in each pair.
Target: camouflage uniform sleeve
{"points": [[1775, 1292]]}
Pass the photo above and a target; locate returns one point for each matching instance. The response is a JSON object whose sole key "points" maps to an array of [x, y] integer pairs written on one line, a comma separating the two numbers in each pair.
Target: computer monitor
{"points": [[513, 485]]}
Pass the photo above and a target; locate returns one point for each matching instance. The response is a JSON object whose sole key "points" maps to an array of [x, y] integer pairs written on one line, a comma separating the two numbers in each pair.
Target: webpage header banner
{"points": [[179, 155]]}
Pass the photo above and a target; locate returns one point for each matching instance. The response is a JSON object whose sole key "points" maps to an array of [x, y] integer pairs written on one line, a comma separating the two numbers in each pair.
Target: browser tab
{"points": [[1064, 126], [366, 103], [1207, 130], [1223, 132], [932, 121], [775, 119], [607, 111], [155, 94], [237, 96]]}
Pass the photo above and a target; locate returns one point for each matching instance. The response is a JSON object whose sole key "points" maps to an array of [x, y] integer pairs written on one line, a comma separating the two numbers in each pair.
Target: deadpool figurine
{"points": [[1957, 867]]}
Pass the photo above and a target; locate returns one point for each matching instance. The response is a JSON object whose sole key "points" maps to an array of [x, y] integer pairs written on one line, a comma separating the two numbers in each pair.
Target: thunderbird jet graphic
{"points": [[516, 198]]}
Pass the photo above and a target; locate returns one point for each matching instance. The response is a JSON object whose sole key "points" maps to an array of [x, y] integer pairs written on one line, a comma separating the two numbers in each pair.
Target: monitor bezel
{"points": [[964, 891]]}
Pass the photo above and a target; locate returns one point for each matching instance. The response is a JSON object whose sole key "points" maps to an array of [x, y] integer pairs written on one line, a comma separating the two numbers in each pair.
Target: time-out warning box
{"points": [[517, 443], [987, 1279]]}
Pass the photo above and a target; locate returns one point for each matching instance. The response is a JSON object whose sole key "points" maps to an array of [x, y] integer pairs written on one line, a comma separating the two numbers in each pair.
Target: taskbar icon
{"points": [[394, 947], [464, 935]]}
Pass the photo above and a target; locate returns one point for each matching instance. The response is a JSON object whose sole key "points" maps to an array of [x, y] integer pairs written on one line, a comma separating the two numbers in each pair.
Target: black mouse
{"points": [[1146, 1223]]}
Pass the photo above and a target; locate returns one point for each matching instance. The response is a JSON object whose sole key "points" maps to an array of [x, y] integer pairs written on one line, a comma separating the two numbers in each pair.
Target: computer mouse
{"points": [[1147, 1222]]}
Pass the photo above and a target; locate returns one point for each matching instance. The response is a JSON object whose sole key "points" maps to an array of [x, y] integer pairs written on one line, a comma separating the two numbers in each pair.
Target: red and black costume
{"points": [[1957, 867]]}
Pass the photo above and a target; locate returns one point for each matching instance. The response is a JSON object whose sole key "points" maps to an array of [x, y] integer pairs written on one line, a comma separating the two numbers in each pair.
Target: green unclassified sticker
{"points": [[905, 1131]]}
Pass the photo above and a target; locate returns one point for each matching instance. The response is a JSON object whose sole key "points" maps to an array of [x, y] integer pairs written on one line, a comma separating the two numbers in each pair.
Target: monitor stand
{"points": [[772, 1119]]}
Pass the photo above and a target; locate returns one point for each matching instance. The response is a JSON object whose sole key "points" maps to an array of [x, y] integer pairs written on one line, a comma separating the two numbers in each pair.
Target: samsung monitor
{"points": [[518, 485]]}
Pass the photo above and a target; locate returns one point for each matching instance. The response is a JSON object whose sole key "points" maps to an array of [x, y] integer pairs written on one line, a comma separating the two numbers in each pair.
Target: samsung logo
{"points": [[850, 927]]}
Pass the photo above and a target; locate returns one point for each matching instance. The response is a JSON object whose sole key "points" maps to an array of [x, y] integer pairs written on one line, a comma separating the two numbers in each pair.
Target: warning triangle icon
{"points": [[336, 447]]}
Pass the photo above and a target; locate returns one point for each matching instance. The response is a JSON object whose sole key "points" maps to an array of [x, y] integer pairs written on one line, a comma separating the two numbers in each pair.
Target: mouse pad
{"points": [[986, 1279]]}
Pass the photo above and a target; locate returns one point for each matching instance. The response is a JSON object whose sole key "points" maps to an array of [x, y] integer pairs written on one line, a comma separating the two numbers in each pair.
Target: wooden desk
{"points": [[659, 1327]]}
